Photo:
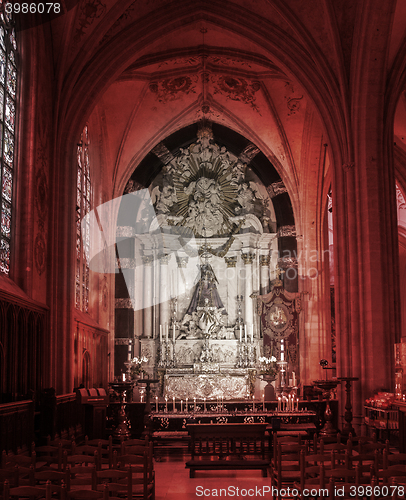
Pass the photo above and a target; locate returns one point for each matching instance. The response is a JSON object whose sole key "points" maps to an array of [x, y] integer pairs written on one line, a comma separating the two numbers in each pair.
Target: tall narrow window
{"points": [[8, 90], [83, 195]]}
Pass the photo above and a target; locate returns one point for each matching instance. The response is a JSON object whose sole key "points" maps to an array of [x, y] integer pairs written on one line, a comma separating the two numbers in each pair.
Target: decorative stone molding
{"points": [[182, 262], [248, 258], [287, 231], [122, 341], [132, 186], [276, 188], [287, 262], [125, 231], [147, 260], [163, 153], [231, 261], [248, 153], [126, 263], [173, 88], [264, 260], [123, 304]]}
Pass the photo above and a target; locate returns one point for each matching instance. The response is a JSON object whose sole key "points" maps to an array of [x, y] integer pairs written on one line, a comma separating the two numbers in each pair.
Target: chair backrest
{"points": [[117, 481], [27, 491]]}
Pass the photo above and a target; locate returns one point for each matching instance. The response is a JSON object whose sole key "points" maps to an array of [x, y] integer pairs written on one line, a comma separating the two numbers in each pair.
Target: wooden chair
{"points": [[286, 464], [27, 492], [85, 494], [49, 456], [117, 481], [74, 460], [143, 476], [55, 478]]}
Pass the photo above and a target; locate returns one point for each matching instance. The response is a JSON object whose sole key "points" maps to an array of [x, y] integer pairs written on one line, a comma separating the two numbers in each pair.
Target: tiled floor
{"points": [[173, 483]]}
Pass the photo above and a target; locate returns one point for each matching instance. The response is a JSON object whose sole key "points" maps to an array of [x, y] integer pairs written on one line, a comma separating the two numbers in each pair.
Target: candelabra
{"points": [[174, 312], [243, 360], [239, 322], [162, 355]]}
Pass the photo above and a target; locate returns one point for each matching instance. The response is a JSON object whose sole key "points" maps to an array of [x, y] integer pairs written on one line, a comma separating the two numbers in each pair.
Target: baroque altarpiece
{"points": [[206, 266]]}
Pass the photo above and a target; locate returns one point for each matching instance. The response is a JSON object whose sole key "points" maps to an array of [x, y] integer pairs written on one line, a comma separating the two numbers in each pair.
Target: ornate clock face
{"points": [[278, 317]]}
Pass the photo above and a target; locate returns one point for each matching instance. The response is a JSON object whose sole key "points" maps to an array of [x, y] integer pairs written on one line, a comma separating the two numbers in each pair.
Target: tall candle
{"points": [[187, 399], [173, 404], [156, 404], [160, 333], [166, 331], [166, 404], [294, 379], [279, 403], [194, 404], [173, 332], [253, 403], [282, 351], [204, 405], [123, 377], [240, 333], [181, 405], [263, 401]]}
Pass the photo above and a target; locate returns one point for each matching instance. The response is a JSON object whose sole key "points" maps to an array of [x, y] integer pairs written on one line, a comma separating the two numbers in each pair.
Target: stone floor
{"points": [[173, 482]]}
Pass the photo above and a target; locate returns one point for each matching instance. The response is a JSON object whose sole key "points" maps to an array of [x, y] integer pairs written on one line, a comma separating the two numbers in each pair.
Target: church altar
{"points": [[227, 384]]}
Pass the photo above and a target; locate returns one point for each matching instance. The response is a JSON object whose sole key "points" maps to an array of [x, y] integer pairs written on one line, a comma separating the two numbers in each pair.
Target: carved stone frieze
{"points": [[248, 153], [286, 231], [209, 386], [122, 341], [125, 231], [123, 304], [163, 153], [237, 89], [400, 199], [276, 188], [173, 88]]}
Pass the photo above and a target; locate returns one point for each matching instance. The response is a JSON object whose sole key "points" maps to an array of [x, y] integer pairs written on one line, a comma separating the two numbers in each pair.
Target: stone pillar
{"points": [[147, 293], [164, 291], [264, 273], [248, 259]]}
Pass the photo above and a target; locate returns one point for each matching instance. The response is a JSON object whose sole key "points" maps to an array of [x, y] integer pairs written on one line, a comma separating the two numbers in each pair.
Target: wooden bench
{"points": [[227, 447]]}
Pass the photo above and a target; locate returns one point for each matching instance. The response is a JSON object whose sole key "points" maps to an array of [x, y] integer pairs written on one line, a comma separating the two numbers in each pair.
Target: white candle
{"points": [[294, 379], [204, 405], [194, 404], [173, 333], [253, 403], [173, 404], [160, 333], [123, 377], [240, 333], [279, 403], [166, 404], [263, 401], [187, 399], [297, 404], [156, 404], [245, 333], [181, 405], [289, 402], [282, 351]]}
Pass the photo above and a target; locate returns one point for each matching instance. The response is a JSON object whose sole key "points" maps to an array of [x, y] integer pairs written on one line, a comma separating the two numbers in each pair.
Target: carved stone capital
{"points": [[164, 259], [147, 260], [248, 258], [231, 261], [276, 188], [264, 260], [182, 261]]}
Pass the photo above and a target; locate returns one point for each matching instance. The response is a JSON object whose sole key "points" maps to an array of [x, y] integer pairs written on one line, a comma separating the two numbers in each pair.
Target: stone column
{"points": [[147, 293], [164, 292], [264, 273], [248, 259]]}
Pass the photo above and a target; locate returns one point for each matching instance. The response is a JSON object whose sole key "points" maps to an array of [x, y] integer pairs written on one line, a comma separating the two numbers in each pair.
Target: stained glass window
{"points": [[83, 206], [8, 92]]}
